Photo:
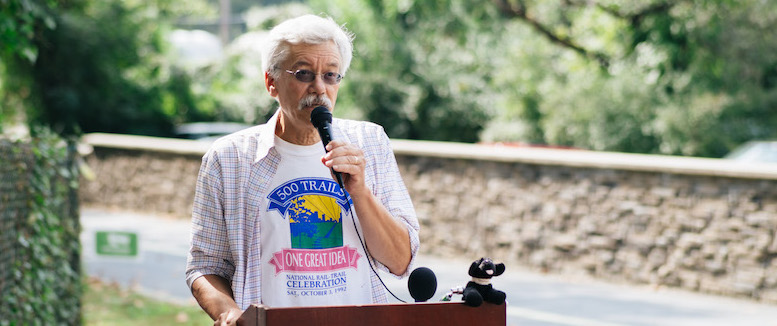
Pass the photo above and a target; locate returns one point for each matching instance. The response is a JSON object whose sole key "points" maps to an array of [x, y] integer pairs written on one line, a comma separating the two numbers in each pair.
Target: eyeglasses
{"points": [[307, 76]]}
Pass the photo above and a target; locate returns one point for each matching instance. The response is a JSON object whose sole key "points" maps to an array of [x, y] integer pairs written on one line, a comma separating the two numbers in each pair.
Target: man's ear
{"points": [[269, 84]]}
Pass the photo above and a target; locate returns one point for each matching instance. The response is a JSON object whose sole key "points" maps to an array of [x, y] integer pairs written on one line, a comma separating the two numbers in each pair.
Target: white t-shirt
{"points": [[311, 255]]}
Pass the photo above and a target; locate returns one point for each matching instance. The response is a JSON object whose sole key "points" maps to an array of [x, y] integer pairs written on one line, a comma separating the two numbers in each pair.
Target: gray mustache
{"points": [[312, 100]]}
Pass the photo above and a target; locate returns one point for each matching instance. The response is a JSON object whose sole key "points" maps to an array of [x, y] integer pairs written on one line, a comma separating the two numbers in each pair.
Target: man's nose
{"points": [[317, 86]]}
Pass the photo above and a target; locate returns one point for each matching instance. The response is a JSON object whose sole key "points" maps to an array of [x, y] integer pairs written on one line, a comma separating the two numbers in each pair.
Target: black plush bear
{"points": [[480, 288]]}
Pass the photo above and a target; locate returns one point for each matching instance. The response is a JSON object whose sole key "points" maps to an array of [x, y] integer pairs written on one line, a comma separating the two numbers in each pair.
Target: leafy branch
{"points": [[519, 10], [635, 18]]}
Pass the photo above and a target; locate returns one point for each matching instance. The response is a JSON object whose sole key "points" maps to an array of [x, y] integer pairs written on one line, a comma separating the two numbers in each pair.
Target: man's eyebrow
{"points": [[332, 64], [300, 63]]}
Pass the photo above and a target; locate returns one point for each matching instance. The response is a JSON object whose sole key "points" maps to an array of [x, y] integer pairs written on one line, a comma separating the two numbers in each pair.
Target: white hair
{"points": [[307, 29]]}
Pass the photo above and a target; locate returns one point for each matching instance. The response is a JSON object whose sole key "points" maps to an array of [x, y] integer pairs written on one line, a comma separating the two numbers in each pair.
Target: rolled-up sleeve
{"points": [[393, 194], [209, 252]]}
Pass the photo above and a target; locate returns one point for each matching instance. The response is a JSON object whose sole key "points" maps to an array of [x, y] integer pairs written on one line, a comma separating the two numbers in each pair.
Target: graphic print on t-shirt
{"points": [[310, 250], [314, 222], [314, 208]]}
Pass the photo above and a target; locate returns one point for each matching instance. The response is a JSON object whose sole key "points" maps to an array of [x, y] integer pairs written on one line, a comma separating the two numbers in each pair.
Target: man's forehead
{"points": [[311, 54]]}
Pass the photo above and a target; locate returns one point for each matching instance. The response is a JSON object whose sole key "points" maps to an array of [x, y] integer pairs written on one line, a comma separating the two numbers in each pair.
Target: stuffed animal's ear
{"points": [[500, 268], [473, 269]]}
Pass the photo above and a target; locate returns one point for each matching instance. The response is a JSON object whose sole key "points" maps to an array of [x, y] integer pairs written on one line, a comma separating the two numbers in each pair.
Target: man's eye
{"points": [[304, 73]]}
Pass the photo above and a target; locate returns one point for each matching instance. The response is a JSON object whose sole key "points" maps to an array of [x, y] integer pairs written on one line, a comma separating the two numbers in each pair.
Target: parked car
{"points": [[755, 152], [208, 131]]}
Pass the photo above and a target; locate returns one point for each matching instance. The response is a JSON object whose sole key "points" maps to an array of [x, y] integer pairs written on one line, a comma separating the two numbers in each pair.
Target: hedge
{"points": [[40, 273]]}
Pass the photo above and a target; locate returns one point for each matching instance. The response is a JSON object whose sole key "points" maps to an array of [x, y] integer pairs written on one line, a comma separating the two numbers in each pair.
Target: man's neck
{"points": [[296, 134]]}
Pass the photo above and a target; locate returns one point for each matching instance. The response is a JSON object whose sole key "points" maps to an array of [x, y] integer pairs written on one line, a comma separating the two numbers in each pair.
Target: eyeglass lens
{"points": [[307, 76]]}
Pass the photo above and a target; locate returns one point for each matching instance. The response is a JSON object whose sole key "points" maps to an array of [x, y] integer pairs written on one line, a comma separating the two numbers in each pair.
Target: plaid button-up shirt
{"points": [[232, 188]]}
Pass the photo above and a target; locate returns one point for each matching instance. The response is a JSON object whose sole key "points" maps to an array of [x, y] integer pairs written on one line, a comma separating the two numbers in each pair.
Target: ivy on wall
{"points": [[41, 215]]}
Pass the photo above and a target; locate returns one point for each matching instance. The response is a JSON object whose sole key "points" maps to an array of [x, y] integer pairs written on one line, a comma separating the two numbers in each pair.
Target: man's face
{"points": [[298, 98]]}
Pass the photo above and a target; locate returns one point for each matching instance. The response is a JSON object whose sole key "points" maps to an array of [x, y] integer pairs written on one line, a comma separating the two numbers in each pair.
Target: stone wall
{"points": [[143, 174], [143, 181], [698, 224], [711, 234]]}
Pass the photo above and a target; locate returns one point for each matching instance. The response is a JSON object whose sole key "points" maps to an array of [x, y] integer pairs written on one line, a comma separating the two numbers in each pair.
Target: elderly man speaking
{"points": [[270, 224]]}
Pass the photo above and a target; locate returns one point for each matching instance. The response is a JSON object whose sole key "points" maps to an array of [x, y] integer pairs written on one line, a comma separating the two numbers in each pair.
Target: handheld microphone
{"points": [[422, 284], [321, 118]]}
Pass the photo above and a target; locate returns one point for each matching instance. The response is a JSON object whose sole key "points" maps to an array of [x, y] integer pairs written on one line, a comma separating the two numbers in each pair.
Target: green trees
{"points": [[93, 66], [417, 70], [688, 77], [676, 77]]}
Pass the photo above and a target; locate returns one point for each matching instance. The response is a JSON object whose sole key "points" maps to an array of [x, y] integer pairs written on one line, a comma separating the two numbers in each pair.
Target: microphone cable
{"points": [[361, 241], [321, 118]]}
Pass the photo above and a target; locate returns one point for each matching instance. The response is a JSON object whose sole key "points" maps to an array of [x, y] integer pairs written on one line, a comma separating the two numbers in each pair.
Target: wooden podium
{"points": [[421, 314]]}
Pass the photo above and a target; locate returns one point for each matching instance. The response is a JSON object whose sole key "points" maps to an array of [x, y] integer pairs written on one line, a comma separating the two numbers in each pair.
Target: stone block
{"points": [[770, 275], [644, 242], [772, 248], [747, 280], [764, 219], [664, 192], [690, 241], [768, 295], [630, 259], [564, 242], [601, 242], [709, 207], [657, 258], [689, 279], [715, 284], [715, 267], [693, 223], [707, 188], [605, 257]]}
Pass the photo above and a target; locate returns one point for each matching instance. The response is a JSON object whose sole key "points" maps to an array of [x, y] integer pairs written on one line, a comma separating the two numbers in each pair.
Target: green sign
{"points": [[116, 243]]}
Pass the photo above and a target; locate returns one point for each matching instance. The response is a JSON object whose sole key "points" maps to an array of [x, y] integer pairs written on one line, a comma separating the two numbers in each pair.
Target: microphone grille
{"points": [[320, 115], [422, 284]]}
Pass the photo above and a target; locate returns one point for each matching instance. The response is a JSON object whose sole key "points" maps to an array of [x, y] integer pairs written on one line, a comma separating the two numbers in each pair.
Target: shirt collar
{"points": [[267, 137]]}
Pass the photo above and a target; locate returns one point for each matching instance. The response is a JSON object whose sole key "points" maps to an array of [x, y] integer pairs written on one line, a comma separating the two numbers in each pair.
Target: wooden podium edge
{"points": [[454, 313], [253, 315]]}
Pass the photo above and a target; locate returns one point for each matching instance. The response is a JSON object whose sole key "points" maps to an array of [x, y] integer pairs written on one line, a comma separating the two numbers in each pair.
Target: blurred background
{"points": [[680, 77], [686, 79]]}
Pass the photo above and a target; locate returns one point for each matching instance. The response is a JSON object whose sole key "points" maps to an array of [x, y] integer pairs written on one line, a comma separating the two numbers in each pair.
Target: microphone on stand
{"points": [[422, 284], [321, 118]]}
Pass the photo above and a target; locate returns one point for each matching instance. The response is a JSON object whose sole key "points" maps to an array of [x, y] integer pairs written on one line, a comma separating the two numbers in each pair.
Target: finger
{"points": [[348, 164], [343, 160], [232, 318], [335, 144], [353, 153]]}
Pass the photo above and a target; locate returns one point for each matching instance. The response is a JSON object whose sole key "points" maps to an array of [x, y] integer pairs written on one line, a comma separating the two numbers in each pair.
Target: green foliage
{"points": [[103, 68], [232, 88], [601, 113], [674, 77], [19, 21], [688, 77], [420, 74], [80, 79], [45, 287]]}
